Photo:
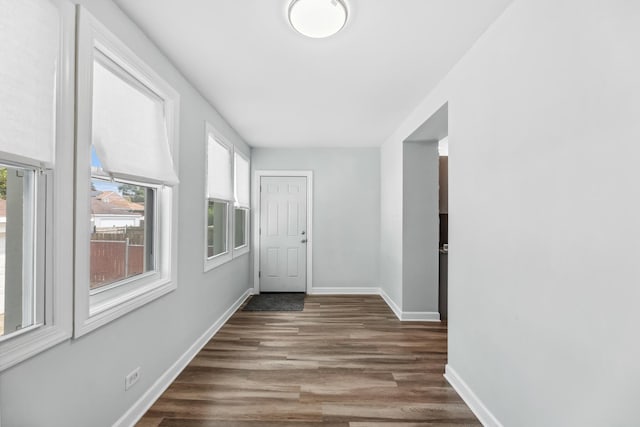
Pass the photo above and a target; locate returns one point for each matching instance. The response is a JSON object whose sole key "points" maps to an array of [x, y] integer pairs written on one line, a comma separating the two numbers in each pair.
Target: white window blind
{"points": [[219, 171], [129, 128], [29, 47], [242, 181]]}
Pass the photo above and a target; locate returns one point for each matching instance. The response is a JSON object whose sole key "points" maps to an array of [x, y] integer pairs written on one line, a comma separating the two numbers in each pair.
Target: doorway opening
{"points": [[425, 219]]}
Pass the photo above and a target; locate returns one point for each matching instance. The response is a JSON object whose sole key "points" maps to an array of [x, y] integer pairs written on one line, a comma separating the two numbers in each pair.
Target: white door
{"points": [[283, 234]]}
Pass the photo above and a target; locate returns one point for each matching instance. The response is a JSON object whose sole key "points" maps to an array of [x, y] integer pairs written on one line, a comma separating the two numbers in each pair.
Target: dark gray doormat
{"points": [[275, 301]]}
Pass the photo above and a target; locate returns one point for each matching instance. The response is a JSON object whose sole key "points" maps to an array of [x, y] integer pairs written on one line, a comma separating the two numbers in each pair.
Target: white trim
{"points": [[409, 316], [391, 303], [122, 304], [470, 398], [244, 249], [255, 244], [336, 290], [22, 347], [142, 405], [224, 257], [404, 316], [420, 316]]}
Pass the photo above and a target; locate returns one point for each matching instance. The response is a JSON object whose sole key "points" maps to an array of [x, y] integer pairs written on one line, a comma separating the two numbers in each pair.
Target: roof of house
{"points": [[112, 203], [102, 203]]}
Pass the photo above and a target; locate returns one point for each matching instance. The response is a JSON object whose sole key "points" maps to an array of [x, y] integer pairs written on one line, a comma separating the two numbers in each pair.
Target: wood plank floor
{"points": [[345, 361]]}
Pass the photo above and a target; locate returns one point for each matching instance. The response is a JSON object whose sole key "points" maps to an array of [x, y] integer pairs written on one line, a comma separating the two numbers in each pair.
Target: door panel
{"points": [[292, 262], [283, 225]]}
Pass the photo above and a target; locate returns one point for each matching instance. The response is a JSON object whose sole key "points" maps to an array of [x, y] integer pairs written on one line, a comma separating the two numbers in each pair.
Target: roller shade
{"points": [[218, 171], [29, 48], [129, 131], [242, 181]]}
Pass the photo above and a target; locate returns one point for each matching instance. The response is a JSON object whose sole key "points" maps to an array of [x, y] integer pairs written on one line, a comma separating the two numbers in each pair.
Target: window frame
{"points": [[227, 231], [212, 262], [92, 310], [244, 249], [101, 295], [34, 244], [55, 200], [36, 201]]}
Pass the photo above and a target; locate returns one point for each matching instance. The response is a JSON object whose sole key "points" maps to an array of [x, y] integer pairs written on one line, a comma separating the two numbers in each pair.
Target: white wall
{"points": [[346, 216], [543, 279], [420, 241], [391, 178], [81, 382]]}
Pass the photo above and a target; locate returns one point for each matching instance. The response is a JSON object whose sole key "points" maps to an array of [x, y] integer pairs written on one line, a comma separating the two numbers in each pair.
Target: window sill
{"points": [[111, 308], [243, 250], [211, 263], [22, 347]]}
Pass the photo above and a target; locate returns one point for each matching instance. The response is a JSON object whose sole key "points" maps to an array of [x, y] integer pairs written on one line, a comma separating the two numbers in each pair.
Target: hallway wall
{"points": [[543, 285], [420, 233], [391, 200], [346, 216]]}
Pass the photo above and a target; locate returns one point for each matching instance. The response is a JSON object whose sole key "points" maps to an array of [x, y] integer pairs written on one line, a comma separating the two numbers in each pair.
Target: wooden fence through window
{"points": [[113, 260]]}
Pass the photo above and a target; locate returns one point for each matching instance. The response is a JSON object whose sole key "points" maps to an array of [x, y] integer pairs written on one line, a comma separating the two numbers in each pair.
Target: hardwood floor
{"points": [[345, 361]]}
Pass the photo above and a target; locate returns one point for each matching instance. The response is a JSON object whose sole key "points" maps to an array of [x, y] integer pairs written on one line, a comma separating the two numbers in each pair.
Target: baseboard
{"points": [[471, 399], [143, 404], [338, 290], [420, 316], [409, 316], [391, 303]]}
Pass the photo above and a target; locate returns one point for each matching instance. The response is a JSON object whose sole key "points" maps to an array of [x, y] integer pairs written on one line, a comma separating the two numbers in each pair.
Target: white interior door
{"points": [[283, 234]]}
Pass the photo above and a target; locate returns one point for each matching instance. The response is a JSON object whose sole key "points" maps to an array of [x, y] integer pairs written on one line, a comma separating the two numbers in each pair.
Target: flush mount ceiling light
{"points": [[317, 18]]}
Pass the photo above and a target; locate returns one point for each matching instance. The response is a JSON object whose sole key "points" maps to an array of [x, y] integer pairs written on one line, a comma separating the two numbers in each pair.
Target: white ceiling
{"points": [[278, 88]]}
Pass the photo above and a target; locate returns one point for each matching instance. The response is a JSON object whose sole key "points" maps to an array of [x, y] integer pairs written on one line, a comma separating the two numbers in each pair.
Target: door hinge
{"points": [[259, 274]]}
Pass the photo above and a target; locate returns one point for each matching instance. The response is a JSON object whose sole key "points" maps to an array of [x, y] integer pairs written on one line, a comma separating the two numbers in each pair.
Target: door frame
{"points": [[255, 242]]}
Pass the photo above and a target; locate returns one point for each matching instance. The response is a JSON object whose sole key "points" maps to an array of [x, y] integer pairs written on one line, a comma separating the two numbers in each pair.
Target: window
{"points": [[241, 210], [240, 233], [122, 240], [36, 134], [219, 200], [125, 156], [227, 201], [21, 291], [217, 228]]}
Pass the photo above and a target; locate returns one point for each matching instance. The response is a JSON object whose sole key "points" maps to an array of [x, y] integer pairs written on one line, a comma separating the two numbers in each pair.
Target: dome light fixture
{"points": [[317, 18]]}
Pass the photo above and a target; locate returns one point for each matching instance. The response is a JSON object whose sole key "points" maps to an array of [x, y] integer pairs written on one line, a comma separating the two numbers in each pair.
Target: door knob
{"points": [[303, 241], [303, 233]]}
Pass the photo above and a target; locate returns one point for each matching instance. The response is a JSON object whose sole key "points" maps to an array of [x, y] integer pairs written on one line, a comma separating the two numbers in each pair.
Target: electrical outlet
{"points": [[132, 378]]}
